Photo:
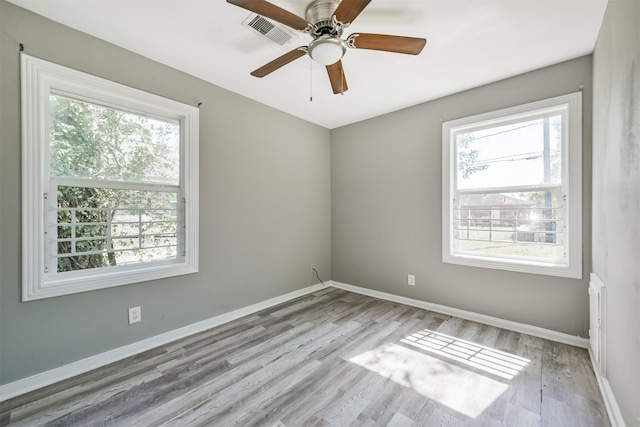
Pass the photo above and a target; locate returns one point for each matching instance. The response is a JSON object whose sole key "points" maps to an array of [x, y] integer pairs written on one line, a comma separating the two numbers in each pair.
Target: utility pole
{"points": [[547, 212]]}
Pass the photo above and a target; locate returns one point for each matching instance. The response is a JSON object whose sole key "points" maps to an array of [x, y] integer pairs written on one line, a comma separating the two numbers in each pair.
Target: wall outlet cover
{"points": [[135, 315]]}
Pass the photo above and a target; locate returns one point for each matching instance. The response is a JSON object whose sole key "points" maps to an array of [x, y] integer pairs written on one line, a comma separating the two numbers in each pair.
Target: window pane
{"points": [[524, 224], [521, 154], [92, 141], [99, 227]]}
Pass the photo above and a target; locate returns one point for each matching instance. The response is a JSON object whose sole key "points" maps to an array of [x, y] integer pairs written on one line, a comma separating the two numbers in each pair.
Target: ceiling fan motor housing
{"points": [[319, 14]]}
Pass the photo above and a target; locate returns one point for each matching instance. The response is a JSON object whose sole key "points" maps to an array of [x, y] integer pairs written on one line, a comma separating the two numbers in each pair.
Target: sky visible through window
{"points": [[511, 155]]}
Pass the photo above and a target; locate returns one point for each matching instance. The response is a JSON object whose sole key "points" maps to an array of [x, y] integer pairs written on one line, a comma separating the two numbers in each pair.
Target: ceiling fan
{"points": [[325, 21]]}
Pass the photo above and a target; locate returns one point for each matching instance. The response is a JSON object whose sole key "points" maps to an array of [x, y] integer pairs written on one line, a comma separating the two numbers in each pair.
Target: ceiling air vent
{"points": [[269, 29]]}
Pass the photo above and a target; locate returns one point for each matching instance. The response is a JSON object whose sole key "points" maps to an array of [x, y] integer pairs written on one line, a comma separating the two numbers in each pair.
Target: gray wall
{"points": [[386, 191], [264, 209], [366, 209], [616, 197]]}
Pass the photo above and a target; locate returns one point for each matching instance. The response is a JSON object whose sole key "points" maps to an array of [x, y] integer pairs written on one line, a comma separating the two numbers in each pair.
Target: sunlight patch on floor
{"points": [[438, 367], [496, 362]]}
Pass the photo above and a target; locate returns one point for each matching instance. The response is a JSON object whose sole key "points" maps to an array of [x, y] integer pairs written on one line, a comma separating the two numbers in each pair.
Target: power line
{"points": [[507, 131], [510, 158]]}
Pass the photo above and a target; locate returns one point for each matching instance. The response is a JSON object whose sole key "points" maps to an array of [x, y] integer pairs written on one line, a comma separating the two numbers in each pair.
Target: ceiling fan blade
{"points": [[280, 61], [336, 76], [348, 10], [397, 44], [269, 10]]}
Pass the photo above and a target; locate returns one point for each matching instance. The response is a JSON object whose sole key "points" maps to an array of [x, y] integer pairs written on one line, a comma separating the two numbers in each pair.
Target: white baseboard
{"points": [[469, 315], [52, 376], [613, 410]]}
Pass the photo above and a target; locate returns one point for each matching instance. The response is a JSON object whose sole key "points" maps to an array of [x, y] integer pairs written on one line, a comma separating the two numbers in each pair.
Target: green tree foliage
{"points": [[94, 142], [468, 157]]}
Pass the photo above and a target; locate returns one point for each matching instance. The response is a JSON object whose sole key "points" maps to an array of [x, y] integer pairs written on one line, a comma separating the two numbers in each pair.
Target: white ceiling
{"points": [[469, 43]]}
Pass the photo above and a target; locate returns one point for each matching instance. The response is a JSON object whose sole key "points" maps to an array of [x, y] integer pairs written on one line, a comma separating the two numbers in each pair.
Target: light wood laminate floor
{"points": [[332, 358]]}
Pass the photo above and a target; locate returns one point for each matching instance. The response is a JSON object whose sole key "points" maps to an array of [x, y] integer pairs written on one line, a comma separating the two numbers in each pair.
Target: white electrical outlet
{"points": [[135, 315], [411, 280]]}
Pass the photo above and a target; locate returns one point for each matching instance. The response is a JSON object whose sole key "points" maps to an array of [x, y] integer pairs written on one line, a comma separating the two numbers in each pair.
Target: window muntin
{"points": [[109, 183], [511, 188]]}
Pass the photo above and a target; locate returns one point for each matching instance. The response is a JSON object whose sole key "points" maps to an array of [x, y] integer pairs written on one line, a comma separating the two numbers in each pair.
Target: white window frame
{"points": [[571, 187], [39, 79]]}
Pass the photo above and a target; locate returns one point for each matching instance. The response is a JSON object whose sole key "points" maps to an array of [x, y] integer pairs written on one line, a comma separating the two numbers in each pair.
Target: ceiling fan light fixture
{"points": [[327, 50]]}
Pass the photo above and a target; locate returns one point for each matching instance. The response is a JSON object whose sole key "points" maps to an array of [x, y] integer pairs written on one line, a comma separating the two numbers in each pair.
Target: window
{"points": [[512, 188], [110, 191]]}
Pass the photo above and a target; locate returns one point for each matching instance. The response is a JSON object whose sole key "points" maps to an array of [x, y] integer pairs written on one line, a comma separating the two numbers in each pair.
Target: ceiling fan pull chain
{"points": [[310, 79]]}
